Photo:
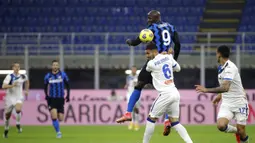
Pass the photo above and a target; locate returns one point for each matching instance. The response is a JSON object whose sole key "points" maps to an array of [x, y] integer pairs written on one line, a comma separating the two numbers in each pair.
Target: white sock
{"points": [[133, 117], [149, 130], [183, 133], [136, 118], [231, 129], [6, 124], [18, 117]]}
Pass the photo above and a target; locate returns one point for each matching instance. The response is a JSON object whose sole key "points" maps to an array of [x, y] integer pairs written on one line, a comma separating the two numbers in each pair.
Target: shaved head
{"points": [[153, 17]]}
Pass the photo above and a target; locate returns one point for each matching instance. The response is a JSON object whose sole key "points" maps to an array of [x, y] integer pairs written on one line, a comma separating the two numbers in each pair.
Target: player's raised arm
{"points": [[6, 82], [67, 85], [134, 42], [177, 45]]}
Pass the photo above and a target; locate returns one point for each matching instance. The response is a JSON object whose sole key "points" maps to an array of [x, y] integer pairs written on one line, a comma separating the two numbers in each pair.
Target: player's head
{"points": [[55, 66], [151, 50], [16, 67], [222, 53], [133, 69], [153, 17]]}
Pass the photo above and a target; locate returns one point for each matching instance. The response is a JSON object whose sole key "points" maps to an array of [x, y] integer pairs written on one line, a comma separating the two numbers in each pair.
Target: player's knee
{"points": [[60, 117], [7, 115], [18, 111], [173, 120], [140, 85], [222, 127], [152, 119]]}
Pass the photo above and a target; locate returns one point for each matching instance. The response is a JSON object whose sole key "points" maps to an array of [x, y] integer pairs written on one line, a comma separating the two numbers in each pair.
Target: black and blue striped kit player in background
{"points": [[55, 83], [164, 35]]}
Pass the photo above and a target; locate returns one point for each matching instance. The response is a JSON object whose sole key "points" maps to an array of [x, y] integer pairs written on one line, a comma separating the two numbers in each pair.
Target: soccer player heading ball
{"points": [[164, 34]]}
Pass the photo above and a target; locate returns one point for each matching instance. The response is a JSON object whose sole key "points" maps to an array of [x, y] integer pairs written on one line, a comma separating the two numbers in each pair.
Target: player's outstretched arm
{"points": [[6, 86], [221, 89], [134, 42], [177, 45]]}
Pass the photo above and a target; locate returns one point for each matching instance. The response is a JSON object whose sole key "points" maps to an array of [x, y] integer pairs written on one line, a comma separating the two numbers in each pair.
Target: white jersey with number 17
{"points": [[235, 94], [161, 68]]}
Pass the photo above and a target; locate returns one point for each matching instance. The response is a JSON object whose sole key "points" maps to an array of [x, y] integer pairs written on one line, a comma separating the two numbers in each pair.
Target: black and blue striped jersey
{"points": [[56, 84], [163, 35]]}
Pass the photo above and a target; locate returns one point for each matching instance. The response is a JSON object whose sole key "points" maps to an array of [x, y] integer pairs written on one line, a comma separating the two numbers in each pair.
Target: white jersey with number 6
{"points": [[161, 68], [168, 100]]}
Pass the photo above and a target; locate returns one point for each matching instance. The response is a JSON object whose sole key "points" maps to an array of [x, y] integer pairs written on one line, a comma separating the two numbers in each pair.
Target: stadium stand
{"points": [[33, 16], [247, 24]]}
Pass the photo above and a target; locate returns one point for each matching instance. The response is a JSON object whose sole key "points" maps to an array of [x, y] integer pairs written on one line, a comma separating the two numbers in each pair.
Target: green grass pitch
{"points": [[117, 134]]}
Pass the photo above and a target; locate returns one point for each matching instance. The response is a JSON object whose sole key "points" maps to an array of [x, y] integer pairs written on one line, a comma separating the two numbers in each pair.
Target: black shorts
{"points": [[145, 76], [56, 103]]}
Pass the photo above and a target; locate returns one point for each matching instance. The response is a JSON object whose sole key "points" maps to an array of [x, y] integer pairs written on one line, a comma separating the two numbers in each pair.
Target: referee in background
{"points": [[54, 88]]}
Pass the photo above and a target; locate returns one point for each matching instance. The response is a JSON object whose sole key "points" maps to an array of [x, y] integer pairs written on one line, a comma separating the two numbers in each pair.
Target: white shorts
{"points": [[10, 103], [166, 103], [238, 112]]}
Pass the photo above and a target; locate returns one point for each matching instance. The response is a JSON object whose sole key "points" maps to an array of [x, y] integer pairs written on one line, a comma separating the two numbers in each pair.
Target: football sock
{"points": [[136, 118], [55, 125], [6, 124], [133, 117], [166, 117], [150, 125], [18, 117], [231, 129], [182, 132], [133, 99]]}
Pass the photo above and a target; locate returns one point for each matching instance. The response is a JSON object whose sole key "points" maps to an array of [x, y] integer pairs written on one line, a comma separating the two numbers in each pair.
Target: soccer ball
{"points": [[146, 35]]}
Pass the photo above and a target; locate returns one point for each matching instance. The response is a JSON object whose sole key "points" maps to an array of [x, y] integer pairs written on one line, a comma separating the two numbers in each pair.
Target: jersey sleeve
{"points": [[149, 66], [46, 79], [151, 27], [26, 77], [7, 79], [66, 79], [229, 74], [176, 67]]}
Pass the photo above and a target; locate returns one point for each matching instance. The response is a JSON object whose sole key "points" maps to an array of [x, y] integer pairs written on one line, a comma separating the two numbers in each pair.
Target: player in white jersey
{"points": [[13, 83], [131, 81], [162, 67], [234, 102]]}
